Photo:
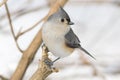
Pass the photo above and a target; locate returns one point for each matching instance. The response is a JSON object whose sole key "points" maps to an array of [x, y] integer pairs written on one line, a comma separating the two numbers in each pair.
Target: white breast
{"points": [[53, 37]]}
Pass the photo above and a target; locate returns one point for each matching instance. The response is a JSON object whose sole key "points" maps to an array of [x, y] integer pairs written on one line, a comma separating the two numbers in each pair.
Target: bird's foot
{"points": [[50, 63]]}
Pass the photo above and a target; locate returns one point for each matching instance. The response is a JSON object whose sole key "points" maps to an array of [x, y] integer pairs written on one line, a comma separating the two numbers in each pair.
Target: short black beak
{"points": [[70, 23]]}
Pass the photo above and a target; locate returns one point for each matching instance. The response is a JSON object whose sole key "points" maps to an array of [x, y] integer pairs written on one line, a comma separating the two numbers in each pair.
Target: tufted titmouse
{"points": [[58, 36]]}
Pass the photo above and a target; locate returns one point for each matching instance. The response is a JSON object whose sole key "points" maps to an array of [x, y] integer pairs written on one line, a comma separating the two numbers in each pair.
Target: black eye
{"points": [[62, 20]]}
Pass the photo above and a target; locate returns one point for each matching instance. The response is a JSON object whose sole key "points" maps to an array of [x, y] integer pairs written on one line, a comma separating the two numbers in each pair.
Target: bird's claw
{"points": [[50, 63]]}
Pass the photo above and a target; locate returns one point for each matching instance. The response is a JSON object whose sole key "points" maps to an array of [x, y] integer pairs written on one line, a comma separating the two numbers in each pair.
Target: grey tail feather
{"points": [[86, 52]]}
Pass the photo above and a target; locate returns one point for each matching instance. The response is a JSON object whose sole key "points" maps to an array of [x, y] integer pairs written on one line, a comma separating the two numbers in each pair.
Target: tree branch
{"points": [[44, 69], [23, 32], [11, 27]]}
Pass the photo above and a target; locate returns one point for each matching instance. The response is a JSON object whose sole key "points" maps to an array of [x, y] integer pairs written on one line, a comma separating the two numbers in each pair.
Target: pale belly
{"points": [[53, 37], [56, 44]]}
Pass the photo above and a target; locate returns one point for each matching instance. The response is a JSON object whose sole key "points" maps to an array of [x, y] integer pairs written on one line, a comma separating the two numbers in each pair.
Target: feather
{"points": [[73, 41]]}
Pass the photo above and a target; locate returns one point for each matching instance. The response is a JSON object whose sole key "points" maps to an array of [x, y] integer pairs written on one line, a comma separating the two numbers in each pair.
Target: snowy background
{"points": [[97, 25]]}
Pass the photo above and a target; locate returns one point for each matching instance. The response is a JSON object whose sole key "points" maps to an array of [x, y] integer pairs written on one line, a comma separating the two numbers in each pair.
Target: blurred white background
{"points": [[97, 24]]}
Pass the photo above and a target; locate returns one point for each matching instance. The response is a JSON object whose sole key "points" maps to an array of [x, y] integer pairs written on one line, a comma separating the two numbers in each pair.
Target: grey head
{"points": [[60, 17]]}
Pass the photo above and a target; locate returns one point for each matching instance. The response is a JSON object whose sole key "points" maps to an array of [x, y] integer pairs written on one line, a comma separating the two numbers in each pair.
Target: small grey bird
{"points": [[58, 36]]}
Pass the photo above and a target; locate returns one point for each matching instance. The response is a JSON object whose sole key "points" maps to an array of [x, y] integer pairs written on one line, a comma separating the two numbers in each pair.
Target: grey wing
{"points": [[72, 40]]}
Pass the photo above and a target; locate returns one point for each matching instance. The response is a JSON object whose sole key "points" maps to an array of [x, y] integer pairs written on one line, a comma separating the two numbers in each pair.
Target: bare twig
{"points": [[3, 2], [11, 27], [22, 33], [22, 11], [44, 69], [19, 33], [27, 57]]}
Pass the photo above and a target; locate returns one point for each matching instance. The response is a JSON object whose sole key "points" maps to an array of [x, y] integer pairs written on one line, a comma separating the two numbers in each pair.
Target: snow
{"points": [[97, 26]]}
